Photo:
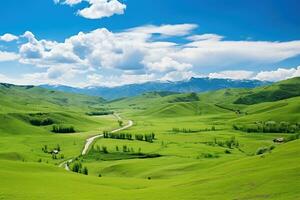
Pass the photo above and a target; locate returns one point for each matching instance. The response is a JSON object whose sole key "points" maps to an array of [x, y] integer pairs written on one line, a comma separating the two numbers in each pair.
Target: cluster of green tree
{"points": [[146, 137], [269, 127], [41, 122], [61, 129], [186, 130], [99, 113], [119, 136], [128, 136], [53, 151], [124, 149], [230, 143], [120, 153], [207, 155], [56, 156], [188, 98], [45, 149], [120, 122], [78, 168], [263, 150]]}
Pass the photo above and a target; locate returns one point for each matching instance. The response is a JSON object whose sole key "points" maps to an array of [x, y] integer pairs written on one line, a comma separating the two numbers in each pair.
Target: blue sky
{"points": [[129, 41]]}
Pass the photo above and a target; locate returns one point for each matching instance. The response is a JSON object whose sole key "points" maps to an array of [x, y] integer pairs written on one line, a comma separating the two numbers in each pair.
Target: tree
{"points": [[120, 123], [139, 137], [85, 171], [77, 166], [125, 149], [104, 149]]}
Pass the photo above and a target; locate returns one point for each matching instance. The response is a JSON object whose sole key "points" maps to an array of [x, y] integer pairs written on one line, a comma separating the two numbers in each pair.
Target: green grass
{"points": [[192, 165]]}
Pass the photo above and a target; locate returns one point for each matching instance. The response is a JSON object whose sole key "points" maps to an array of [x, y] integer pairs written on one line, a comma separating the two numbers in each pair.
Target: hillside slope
{"points": [[278, 91]]}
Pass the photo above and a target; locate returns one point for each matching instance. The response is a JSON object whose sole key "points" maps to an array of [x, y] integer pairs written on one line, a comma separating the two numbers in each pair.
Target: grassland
{"points": [[201, 156]]}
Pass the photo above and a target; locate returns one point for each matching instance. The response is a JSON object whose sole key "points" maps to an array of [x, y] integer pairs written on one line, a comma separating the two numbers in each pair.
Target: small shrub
{"points": [[209, 155], [262, 150], [227, 151], [85, 171], [104, 149]]}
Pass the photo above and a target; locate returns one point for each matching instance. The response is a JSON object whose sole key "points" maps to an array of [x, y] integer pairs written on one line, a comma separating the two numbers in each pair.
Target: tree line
{"points": [[269, 127], [188, 130], [41, 122], [128, 136], [62, 129], [229, 143], [99, 113], [124, 149]]}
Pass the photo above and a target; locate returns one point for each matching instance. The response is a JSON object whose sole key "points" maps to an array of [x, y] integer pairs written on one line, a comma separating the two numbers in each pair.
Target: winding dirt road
{"points": [[90, 141]]}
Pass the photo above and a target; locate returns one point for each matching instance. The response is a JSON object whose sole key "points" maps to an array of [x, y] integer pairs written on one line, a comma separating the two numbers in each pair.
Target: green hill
{"points": [[278, 91], [28, 114], [199, 153]]}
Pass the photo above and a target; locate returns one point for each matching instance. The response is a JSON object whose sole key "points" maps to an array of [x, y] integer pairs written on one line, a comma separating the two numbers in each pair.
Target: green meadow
{"points": [[214, 145]]}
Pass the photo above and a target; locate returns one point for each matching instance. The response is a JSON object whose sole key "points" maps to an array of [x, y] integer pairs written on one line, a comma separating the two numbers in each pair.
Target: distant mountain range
{"points": [[191, 85]]}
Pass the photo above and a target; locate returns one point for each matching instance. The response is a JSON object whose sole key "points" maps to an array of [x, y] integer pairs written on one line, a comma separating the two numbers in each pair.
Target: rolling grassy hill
{"points": [[272, 176], [278, 91], [27, 114], [199, 153]]}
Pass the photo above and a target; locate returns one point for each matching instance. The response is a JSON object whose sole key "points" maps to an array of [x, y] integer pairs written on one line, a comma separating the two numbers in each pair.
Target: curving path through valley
{"points": [[91, 140]]}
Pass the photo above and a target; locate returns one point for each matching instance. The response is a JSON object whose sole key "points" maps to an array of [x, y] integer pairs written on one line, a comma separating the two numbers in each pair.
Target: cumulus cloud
{"points": [[117, 80], [8, 56], [272, 75], [8, 37], [179, 75], [166, 30], [138, 54], [236, 75], [138, 49], [97, 9], [279, 74], [208, 36], [168, 64]]}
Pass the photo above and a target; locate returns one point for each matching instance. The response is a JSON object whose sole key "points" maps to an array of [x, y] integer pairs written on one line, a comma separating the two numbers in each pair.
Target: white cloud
{"points": [[167, 30], [179, 75], [168, 64], [8, 56], [8, 37], [236, 75], [138, 49], [209, 36], [97, 8], [279, 74], [115, 80], [273, 75], [137, 54], [227, 54]]}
